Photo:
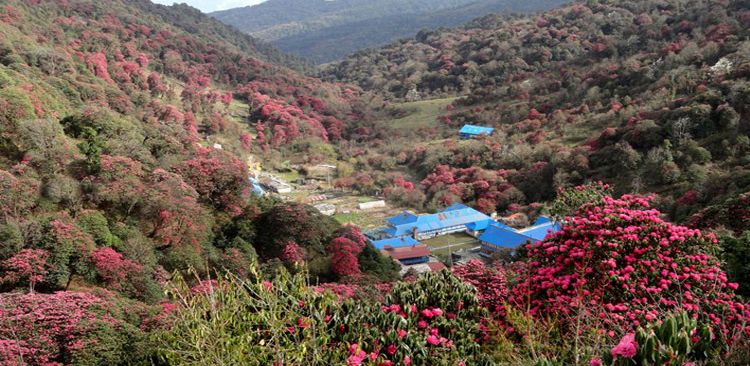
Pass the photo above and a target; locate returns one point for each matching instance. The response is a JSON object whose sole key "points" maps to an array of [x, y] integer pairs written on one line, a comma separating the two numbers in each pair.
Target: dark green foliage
{"points": [[383, 268], [676, 341], [95, 224], [569, 201], [301, 224], [736, 260]]}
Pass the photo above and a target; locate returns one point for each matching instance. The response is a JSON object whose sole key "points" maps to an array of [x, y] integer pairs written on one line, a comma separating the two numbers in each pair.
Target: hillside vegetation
{"points": [[324, 31], [650, 96], [124, 132]]}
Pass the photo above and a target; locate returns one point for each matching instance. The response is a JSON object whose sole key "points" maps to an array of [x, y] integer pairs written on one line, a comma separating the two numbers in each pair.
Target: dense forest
{"points": [[324, 31], [130, 234]]}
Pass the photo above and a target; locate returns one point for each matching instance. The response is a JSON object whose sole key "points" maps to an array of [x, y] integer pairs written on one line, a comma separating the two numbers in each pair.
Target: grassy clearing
{"points": [[289, 177], [364, 220], [423, 113], [451, 239], [454, 248]]}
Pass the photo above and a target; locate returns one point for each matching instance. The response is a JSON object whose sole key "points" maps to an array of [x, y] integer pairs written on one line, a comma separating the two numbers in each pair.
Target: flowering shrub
{"points": [[344, 253], [677, 341], [490, 283], [119, 273], [621, 256], [65, 328], [27, 265], [293, 253], [432, 321]]}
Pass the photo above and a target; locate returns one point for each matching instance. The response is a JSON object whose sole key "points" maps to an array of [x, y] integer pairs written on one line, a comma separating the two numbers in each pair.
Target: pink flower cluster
{"points": [[627, 348], [113, 268], [49, 325], [621, 264], [29, 265], [293, 253], [490, 281]]}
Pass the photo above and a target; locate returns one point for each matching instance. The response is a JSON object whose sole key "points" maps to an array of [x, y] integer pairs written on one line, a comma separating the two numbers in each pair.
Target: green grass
{"points": [[454, 248], [361, 219], [423, 113], [450, 239], [289, 177]]}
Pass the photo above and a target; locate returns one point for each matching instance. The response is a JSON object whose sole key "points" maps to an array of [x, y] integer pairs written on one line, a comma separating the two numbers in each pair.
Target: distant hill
{"points": [[324, 30]]}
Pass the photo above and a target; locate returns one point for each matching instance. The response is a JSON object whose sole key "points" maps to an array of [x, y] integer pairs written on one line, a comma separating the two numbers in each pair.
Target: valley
{"points": [[518, 183]]}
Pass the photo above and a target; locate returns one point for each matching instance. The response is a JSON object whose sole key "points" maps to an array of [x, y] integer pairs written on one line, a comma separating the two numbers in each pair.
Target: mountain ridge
{"points": [[324, 31]]}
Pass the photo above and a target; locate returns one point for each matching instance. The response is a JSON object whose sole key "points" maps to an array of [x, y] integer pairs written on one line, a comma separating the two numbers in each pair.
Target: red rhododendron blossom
{"points": [[112, 267], [433, 340], [490, 282], [621, 263], [292, 253], [27, 265], [627, 347], [344, 253]]}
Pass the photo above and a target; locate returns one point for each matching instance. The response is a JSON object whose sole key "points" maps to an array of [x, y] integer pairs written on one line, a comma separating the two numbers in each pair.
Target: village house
{"points": [[408, 255], [454, 219], [472, 131]]}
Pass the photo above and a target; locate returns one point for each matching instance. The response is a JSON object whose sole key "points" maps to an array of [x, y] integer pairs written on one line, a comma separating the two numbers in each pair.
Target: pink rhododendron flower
{"points": [[627, 348], [433, 340], [391, 349]]}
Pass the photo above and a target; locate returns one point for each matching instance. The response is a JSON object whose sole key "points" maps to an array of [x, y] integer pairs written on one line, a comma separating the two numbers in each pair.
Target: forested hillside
{"points": [[124, 132], [329, 30], [650, 96]]}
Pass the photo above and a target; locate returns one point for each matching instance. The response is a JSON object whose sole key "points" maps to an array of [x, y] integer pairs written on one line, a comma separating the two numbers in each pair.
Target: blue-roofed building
{"points": [[471, 131], [540, 229], [499, 236], [454, 219], [406, 241]]}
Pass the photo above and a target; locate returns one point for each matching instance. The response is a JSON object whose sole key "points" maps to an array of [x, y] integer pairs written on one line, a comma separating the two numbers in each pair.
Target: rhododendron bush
{"points": [[620, 263], [435, 320], [66, 328], [490, 282]]}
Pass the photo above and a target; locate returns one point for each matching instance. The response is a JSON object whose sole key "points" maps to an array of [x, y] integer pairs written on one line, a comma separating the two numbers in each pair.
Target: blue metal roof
{"points": [[539, 232], [480, 225], [542, 220], [455, 215], [476, 130], [406, 241], [403, 218], [504, 237]]}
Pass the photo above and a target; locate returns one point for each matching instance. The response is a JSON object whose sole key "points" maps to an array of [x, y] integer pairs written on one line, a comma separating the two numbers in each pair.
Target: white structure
{"points": [[277, 186], [371, 205], [326, 209]]}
